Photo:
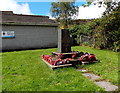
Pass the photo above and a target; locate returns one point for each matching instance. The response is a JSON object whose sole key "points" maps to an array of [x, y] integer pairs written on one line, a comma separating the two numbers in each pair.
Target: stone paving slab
{"points": [[91, 76], [103, 84], [106, 85]]}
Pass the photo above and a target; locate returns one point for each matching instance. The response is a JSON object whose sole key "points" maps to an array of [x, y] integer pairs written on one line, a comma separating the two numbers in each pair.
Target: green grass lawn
{"points": [[25, 71], [108, 66]]}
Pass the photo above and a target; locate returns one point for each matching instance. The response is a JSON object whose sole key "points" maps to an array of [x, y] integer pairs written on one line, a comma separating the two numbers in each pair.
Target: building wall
{"points": [[30, 37]]}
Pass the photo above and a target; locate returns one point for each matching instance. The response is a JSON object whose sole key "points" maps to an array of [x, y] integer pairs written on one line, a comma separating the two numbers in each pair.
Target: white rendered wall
{"points": [[28, 37]]}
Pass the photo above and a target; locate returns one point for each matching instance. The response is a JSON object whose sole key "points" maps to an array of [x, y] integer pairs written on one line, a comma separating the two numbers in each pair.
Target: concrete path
{"points": [[103, 84]]}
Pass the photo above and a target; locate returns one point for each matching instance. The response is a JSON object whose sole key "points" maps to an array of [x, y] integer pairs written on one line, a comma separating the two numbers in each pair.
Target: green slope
{"points": [[25, 71]]}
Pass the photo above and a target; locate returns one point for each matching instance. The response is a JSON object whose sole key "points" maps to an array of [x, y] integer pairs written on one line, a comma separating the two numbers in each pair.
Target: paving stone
{"points": [[91, 76], [82, 70], [106, 85], [103, 84]]}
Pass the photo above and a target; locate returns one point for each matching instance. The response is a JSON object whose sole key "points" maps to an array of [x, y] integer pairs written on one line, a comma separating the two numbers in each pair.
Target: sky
{"points": [[43, 8]]}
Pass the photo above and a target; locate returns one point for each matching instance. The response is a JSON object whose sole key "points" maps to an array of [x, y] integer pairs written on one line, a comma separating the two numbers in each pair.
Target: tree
{"points": [[64, 12], [109, 4], [111, 27], [107, 32]]}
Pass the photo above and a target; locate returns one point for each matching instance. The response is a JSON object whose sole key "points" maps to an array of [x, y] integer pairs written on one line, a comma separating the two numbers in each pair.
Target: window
{"points": [[8, 34]]}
